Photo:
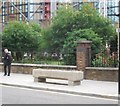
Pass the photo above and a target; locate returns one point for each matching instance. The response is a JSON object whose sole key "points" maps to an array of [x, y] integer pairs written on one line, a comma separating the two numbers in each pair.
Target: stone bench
{"points": [[74, 77]]}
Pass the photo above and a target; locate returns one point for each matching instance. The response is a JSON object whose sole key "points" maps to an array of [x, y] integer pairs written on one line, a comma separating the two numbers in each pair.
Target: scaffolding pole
{"points": [[26, 19], [35, 12]]}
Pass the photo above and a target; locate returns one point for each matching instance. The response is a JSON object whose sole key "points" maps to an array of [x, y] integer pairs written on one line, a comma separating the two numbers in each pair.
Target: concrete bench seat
{"points": [[74, 77]]}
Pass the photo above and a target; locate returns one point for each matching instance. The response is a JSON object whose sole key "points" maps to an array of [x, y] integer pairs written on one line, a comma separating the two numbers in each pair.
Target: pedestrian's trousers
{"points": [[5, 69]]}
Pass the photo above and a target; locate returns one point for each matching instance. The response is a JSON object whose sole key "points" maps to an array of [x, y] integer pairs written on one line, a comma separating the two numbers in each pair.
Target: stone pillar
{"points": [[83, 54]]}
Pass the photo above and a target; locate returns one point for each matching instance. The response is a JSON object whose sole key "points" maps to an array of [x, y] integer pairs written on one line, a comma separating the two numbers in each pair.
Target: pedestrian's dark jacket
{"points": [[7, 59]]}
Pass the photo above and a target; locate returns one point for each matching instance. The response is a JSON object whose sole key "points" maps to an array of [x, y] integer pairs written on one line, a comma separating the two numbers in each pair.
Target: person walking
{"points": [[7, 60]]}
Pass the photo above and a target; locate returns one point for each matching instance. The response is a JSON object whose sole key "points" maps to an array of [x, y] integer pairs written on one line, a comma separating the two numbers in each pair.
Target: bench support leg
{"points": [[73, 83], [37, 79]]}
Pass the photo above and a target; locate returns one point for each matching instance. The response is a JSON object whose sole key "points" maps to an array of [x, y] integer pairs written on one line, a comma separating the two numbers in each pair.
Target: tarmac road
{"points": [[16, 95]]}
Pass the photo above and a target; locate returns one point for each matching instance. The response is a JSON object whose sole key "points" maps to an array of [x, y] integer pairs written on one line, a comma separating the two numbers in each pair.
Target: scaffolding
{"points": [[24, 10], [40, 11], [106, 8]]}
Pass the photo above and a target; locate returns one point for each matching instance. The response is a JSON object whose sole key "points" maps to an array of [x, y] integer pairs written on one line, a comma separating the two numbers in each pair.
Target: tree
{"points": [[20, 37], [68, 20], [55, 35], [69, 47], [88, 17]]}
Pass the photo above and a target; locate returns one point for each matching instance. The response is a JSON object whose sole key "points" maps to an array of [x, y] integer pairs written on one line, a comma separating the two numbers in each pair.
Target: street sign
{"points": [[117, 29]]}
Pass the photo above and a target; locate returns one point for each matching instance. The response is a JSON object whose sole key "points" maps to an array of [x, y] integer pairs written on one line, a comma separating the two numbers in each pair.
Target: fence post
{"points": [[83, 54]]}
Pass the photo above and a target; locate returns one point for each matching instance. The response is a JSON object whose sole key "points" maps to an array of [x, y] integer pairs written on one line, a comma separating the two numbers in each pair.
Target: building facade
{"points": [[41, 11], [107, 8], [27, 10], [0, 17]]}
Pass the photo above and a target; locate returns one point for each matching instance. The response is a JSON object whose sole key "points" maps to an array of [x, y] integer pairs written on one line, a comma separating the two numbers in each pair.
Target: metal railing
{"points": [[41, 57], [102, 59], [105, 59]]}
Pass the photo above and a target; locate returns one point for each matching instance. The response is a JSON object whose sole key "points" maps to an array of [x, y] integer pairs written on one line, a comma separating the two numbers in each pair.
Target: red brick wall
{"points": [[83, 54], [90, 73], [101, 74]]}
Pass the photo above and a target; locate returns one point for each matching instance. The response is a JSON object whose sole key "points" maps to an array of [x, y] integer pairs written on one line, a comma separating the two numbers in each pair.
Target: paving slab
{"points": [[103, 89]]}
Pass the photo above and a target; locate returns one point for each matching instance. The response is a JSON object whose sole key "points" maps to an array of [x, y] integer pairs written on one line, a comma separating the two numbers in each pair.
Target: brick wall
{"points": [[27, 68], [90, 73], [101, 74], [83, 54]]}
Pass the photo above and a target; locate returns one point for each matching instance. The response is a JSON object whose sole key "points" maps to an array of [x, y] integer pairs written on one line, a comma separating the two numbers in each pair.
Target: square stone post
{"points": [[83, 54]]}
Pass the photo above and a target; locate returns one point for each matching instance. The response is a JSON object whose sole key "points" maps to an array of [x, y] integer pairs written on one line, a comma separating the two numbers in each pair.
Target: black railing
{"points": [[39, 58], [42, 58], [105, 59]]}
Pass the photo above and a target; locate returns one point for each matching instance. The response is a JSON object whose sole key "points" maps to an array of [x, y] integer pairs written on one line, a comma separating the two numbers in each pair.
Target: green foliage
{"points": [[68, 20], [61, 24], [47, 40], [103, 60], [19, 36], [114, 44], [69, 46], [88, 17], [37, 33]]}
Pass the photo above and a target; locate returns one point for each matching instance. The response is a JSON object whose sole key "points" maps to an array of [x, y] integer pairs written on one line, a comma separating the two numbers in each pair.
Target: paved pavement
{"points": [[102, 89]]}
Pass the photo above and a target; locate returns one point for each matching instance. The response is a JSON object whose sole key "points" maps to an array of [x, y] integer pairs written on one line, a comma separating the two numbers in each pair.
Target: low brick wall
{"points": [[91, 73], [101, 74], [27, 68]]}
